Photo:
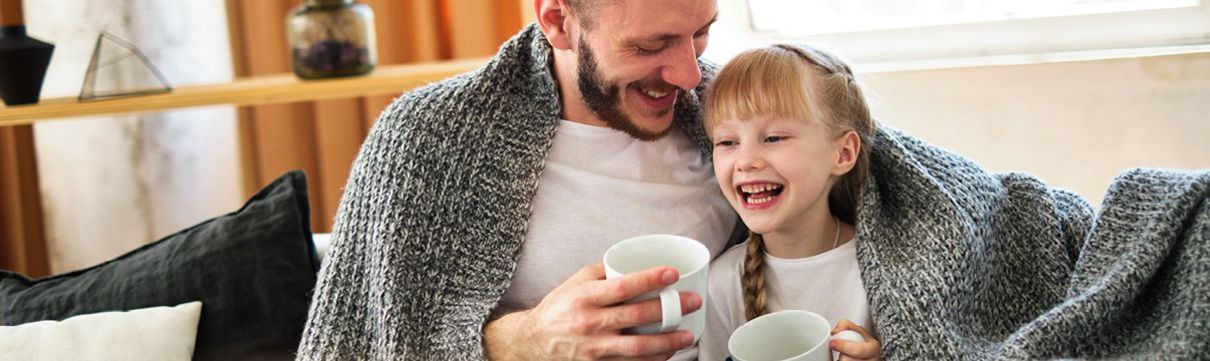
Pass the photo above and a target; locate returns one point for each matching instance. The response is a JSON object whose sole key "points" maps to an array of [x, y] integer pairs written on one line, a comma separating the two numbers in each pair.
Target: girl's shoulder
{"points": [[732, 255], [730, 263]]}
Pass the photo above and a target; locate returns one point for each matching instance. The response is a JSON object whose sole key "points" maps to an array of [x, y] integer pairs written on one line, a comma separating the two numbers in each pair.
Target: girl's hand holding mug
{"points": [[853, 342]]}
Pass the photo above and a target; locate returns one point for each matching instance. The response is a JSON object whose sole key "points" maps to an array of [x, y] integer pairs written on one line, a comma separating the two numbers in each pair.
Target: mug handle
{"points": [[670, 304], [848, 335]]}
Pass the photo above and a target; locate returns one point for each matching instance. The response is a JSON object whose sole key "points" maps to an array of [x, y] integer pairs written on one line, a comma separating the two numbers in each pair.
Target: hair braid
{"points": [[753, 279]]}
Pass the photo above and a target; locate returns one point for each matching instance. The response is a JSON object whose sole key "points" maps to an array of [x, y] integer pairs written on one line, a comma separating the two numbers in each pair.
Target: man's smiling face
{"points": [[636, 59]]}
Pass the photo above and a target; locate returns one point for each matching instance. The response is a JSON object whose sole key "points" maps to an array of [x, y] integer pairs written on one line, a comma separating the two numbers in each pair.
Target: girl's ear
{"points": [[554, 17], [848, 148]]}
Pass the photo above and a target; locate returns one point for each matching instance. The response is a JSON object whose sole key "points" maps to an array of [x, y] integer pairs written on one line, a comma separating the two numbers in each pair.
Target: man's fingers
{"points": [[663, 357], [648, 358], [647, 311], [659, 345], [587, 310], [616, 290], [690, 301], [592, 272]]}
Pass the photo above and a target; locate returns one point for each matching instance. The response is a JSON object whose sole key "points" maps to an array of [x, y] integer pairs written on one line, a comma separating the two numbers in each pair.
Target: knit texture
{"points": [[434, 213], [961, 263]]}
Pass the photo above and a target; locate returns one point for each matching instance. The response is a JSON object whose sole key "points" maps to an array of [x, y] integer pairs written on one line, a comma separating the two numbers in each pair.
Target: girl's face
{"points": [[777, 172]]}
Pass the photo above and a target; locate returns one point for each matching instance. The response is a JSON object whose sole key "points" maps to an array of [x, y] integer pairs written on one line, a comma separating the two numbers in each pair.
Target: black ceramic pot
{"points": [[23, 62]]}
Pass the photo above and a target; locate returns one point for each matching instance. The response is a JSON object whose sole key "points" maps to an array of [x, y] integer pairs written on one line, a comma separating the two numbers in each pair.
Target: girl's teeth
{"points": [[757, 188], [759, 200], [752, 190]]}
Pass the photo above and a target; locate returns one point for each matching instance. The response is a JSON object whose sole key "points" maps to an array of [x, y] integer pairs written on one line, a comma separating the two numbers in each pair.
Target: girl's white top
{"points": [[828, 284]]}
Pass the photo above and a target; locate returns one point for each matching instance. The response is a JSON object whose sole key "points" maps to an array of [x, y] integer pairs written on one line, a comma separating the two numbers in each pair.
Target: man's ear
{"points": [[554, 17], [848, 149]]}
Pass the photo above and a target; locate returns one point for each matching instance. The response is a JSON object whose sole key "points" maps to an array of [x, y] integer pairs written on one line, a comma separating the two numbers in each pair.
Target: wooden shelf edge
{"points": [[269, 89]]}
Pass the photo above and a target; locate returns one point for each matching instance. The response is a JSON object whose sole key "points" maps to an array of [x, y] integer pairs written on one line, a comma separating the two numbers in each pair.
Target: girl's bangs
{"points": [[768, 82]]}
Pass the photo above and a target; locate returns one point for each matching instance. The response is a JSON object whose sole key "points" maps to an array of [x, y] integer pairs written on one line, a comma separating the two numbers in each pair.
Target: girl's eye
{"points": [[774, 139], [724, 143]]}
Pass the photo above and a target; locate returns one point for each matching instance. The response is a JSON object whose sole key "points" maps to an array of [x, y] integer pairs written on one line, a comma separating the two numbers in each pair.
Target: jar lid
{"points": [[326, 2]]}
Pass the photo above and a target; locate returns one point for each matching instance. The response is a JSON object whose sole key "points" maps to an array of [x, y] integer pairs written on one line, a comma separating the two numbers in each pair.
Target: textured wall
{"points": [[112, 184]]}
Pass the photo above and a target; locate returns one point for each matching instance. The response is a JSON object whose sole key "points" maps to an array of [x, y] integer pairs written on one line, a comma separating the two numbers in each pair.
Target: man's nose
{"points": [[682, 69]]}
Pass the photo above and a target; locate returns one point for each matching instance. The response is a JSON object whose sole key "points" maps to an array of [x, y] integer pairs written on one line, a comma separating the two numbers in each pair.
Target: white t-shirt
{"points": [[600, 186], [828, 284]]}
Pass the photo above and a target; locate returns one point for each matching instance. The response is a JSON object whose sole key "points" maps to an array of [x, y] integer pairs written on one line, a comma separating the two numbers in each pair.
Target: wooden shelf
{"points": [[269, 89]]}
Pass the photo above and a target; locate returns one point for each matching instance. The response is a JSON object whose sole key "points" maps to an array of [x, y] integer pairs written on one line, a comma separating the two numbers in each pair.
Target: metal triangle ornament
{"points": [[118, 69]]}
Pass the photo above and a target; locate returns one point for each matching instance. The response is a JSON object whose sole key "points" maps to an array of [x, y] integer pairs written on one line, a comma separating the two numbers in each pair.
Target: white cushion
{"points": [[155, 333], [323, 242]]}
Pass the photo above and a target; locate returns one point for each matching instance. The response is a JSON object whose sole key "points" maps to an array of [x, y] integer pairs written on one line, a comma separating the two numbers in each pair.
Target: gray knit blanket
{"points": [[434, 213], [961, 263], [958, 262]]}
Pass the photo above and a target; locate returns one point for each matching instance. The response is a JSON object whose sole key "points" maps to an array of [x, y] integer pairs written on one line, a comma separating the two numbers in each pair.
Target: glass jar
{"points": [[332, 38]]}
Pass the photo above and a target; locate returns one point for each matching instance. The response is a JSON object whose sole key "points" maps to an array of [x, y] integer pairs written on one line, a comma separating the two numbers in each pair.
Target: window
{"points": [[885, 31]]}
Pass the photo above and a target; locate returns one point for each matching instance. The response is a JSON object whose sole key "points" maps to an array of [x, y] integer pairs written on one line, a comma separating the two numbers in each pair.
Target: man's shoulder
{"points": [[450, 90], [466, 96], [508, 83]]}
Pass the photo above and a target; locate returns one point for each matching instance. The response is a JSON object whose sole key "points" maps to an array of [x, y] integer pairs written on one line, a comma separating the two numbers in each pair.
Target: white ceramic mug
{"points": [[790, 335], [689, 257]]}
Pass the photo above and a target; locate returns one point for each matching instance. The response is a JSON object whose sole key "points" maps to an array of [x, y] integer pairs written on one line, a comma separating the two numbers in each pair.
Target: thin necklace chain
{"points": [[837, 239]]}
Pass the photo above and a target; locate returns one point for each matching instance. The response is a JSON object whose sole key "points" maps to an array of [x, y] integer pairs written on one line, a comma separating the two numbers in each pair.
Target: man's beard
{"points": [[605, 100]]}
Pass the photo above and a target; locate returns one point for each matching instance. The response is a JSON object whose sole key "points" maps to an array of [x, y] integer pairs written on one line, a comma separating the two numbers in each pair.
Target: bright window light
{"points": [[904, 34], [801, 18]]}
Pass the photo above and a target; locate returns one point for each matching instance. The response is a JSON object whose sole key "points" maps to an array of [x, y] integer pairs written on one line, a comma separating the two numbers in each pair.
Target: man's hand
{"points": [[582, 319]]}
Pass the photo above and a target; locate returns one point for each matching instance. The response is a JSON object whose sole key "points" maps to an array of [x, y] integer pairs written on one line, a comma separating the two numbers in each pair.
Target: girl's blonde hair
{"points": [[792, 82]]}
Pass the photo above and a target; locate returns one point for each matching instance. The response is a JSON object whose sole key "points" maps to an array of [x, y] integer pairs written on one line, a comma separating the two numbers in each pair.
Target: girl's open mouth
{"points": [[759, 195]]}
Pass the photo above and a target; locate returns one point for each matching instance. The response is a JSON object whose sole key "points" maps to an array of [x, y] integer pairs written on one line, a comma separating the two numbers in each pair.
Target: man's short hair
{"points": [[585, 10]]}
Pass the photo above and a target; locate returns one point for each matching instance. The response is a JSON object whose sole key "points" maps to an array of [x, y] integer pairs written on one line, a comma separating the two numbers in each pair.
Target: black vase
{"points": [[23, 62]]}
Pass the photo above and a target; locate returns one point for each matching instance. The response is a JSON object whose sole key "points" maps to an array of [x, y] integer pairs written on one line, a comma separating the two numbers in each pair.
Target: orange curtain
{"points": [[22, 239], [323, 137]]}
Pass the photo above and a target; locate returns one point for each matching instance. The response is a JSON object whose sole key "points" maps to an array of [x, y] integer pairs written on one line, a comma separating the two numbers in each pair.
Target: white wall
{"points": [[111, 184], [1073, 124]]}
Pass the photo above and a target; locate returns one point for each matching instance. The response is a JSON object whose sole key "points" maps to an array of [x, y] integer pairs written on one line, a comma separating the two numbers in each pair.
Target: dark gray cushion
{"points": [[253, 270]]}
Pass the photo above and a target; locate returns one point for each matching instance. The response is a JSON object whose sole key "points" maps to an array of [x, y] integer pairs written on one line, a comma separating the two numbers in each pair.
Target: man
{"points": [[478, 209]]}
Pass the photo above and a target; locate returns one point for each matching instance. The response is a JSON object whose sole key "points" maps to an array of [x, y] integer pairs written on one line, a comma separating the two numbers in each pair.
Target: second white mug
{"points": [[790, 335]]}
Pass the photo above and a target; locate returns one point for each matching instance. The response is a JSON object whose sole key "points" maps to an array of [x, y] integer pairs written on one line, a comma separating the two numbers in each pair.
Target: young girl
{"points": [[789, 126]]}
